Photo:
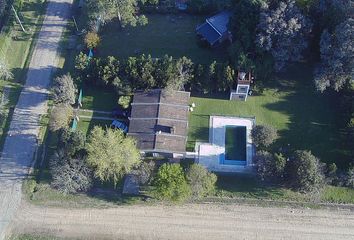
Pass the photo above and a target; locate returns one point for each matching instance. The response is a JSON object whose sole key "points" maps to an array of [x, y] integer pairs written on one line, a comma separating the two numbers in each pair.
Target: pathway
{"points": [[21, 141]]}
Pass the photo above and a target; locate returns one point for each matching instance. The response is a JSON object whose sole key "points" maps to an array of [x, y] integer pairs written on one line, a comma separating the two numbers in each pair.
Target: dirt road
{"points": [[21, 140], [187, 222]]}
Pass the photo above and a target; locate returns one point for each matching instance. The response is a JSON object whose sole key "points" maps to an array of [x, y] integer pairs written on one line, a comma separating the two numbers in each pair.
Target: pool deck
{"points": [[209, 154]]}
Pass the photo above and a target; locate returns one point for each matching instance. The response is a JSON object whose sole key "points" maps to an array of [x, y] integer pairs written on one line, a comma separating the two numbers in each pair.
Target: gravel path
{"points": [[202, 221], [21, 141]]}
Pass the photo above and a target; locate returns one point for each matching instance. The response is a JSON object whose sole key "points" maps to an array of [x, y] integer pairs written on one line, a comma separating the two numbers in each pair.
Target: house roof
{"points": [[214, 27], [159, 120]]}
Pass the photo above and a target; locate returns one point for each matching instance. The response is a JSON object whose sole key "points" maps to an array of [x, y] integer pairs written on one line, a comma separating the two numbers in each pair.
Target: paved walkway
{"points": [[21, 141]]}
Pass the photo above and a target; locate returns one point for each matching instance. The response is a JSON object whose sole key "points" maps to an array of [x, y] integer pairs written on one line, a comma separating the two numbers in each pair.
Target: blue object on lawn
{"points": [[90, 55], [120, 125]]}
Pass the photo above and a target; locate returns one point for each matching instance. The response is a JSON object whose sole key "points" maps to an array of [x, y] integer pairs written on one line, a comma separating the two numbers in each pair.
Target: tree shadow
{"points": [[312, 124]]}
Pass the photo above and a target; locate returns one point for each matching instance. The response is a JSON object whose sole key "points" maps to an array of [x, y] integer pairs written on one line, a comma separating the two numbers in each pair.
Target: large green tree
{"points": [[283, 32], [111, 154], [337, 58]]}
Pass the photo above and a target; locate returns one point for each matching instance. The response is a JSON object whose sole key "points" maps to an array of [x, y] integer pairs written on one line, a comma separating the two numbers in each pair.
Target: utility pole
{"points": [[17, 18]]}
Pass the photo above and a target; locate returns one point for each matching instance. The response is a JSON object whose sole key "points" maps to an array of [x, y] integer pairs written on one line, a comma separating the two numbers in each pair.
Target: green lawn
{"points": [[303, 118], [247, 186], [165, 34], [17, 46]]}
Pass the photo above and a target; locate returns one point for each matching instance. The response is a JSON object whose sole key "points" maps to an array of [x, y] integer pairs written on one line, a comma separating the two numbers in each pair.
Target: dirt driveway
{"points": [[193, 221]]}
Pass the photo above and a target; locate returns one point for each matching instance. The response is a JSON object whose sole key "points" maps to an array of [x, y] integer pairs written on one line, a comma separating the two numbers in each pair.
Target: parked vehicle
{"points": [[120, 125]]}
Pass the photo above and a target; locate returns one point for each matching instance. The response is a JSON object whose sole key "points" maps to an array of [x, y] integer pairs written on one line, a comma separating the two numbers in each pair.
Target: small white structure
{"points": [[212, 154], [243, 84]]}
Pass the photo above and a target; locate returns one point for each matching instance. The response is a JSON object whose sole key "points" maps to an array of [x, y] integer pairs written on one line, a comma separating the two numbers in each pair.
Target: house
{"points": [[159, 122], [242, 86], [215, 30]]}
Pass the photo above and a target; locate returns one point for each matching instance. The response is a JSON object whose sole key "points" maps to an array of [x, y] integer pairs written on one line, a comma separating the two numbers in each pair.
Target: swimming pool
{"points": [[235, 145]]}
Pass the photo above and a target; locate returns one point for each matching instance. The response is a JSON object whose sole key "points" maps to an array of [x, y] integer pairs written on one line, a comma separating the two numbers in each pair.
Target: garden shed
{"points": [[215, 30]]}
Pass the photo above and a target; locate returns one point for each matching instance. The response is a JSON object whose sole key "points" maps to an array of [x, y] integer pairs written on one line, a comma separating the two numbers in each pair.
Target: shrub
{"points": [[263, 136], [270, 166], [145, 172], [70, 175], [60, 117], [92, 40], [64, 90], [305, 171], [201, 181], [71, 141], [124, 101], [170, 183], [350, 178]]}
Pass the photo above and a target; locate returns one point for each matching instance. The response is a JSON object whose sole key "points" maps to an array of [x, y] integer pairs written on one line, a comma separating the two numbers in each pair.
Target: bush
{"points": [[70, 175], [170, 183], [201, 181], [92, 40], [350, 178], [64, 90], [305, 171], [263, 136], [124, 101], [270, 166], [145, 172], [71, 141], [60, 117]]}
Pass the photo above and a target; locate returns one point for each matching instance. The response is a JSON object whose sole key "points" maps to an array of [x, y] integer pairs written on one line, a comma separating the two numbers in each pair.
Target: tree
{"points": [[184, 73], [170, 183], [5, 72], [111, 154], [263, 136], [125, 11], [60, 117], [92, 40], [70, 175], [270, 166], [64, 90], [305, 171], [108, 70], [201, 181], [71, 141], [282, 32], [337, 58]]}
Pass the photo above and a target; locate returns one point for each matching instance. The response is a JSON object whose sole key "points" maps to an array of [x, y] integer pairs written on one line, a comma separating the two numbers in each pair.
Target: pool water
{"points": [[235, 144]]}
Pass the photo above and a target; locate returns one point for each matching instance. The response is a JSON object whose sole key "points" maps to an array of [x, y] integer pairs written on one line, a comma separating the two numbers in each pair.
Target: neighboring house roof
{"points": [[159, 120], [214, 27]]}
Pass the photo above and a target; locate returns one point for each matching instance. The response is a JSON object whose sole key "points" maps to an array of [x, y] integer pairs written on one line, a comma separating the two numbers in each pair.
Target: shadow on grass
{"points": [[312, 124]]}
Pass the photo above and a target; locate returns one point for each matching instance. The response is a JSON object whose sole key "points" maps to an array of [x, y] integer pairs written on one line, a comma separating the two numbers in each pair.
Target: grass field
{"points": [[165, 34], [303, 118], [16, 48]]}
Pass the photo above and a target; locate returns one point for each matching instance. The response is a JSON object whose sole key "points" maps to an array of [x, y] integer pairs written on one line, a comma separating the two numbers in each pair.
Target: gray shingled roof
{"points": [[158, 110]]}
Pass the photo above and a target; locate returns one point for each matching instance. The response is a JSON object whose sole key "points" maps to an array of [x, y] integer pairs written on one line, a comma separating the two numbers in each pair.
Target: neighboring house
{"points": [[215, 30], [242, 87], [159, 122]]}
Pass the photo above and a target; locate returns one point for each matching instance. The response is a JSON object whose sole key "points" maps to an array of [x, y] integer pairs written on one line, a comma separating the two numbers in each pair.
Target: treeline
{"points": [[144, 72]]}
